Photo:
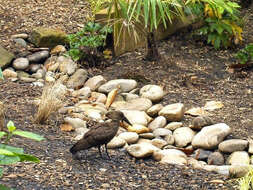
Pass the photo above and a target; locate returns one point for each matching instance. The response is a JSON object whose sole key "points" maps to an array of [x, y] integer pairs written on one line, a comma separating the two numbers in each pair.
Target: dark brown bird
{"points": [[100, 134]]}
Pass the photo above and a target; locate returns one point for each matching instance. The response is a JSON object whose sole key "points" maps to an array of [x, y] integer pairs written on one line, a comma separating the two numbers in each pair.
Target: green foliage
{"points": [[93, 35], [1, 74], [246, 54], [222, 25], [246, 182], [10, 154]]}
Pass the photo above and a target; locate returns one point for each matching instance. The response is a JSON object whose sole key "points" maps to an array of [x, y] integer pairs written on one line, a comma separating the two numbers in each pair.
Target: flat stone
{"points": [[173, 125], [128, 96], [216, 158], [136, 117], [58, 50], [47, 37], [169, 139], [223, 170], [139, 129], [129, 137], [83, 93], [159, 143], [141, 104], [23, 74], [201, 121], [153, 111], [233, 145], [237, 171], [20, 42], [5, 57], [125, 85], [209, 137], [153, 92], [95, 82], [173, 156], [98, 97], [250, 147], [201, 154], [67, 65], [20, 63], [147, 135], [21, 35], [8, 73], [77, 79], [116, 142], [158, 122], [75, 122], [183, 136], [173, 112], [161, 132], [239, 157], [38, 56], [27, 79], [142, 150]]}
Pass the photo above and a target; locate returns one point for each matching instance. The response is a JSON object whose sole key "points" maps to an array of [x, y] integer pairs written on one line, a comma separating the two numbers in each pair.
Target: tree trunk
{"points": [[153, 54]]}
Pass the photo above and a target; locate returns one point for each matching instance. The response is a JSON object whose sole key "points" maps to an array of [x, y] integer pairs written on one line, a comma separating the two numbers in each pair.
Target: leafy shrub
{"points": [[92, 36], [245, 55], [11, 154], [222, 25]]}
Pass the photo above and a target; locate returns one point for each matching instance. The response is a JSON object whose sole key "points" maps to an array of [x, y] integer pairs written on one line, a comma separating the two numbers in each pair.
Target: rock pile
{"points": [[156, 130]]}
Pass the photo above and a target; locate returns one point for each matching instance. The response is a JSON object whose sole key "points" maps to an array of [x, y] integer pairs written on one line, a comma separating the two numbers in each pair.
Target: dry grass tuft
{"points": [[51, 101]]}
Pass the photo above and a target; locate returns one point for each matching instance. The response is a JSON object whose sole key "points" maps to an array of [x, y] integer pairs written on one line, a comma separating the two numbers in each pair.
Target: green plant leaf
{"points": [[4, 187], [12, 148], [28, 135], [2, 133], [7, 160], [28, 157], [11, 127], [1, 74], [1, 172], [6, 152]]}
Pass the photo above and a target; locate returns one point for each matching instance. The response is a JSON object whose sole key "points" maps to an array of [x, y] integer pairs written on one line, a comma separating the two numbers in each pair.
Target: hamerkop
{"points": [[100, 134]]}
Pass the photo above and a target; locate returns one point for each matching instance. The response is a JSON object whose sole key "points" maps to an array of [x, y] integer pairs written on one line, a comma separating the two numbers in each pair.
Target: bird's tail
{"points": [[80, 145]]}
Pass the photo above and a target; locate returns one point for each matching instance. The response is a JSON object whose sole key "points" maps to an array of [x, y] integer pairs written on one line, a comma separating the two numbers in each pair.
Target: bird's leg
{"points": [[99, 149], [107, 151]]}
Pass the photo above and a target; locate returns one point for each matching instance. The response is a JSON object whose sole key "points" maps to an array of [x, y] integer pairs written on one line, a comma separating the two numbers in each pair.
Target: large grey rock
{"points": [[95, 82], [239, 157], [183, 136], [152, 92], [77, 79], [5, 57], [173, 112], [20, 63], [47, 37], [21, 42], [209, 137], [141, 104], [124, 85], [233, 145], [38, 56], [158, 122]]}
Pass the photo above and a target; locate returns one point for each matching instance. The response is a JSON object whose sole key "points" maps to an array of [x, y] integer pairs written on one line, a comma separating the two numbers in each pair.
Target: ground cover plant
{"points": [[11, 154]]}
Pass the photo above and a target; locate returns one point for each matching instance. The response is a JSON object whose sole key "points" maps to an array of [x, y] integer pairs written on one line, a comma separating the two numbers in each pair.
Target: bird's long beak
{"points": [[126, 120]]}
